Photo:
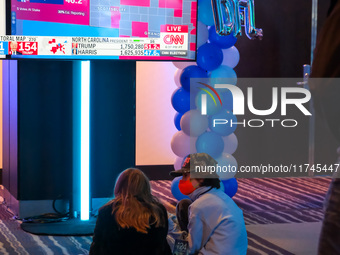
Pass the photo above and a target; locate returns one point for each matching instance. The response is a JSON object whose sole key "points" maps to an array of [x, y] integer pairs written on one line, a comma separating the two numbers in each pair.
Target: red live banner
{"points": [[174, 29]]}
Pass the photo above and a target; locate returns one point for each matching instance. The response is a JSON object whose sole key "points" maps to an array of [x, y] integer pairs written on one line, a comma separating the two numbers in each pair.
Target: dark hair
{"points": [[212, 182]]}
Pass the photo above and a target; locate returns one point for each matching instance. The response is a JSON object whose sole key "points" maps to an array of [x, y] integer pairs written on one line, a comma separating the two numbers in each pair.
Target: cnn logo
{"points": [[174, 39]]}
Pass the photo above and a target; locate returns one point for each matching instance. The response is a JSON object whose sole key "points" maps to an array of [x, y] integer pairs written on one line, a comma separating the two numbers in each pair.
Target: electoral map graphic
{"points": [[172, 23], [61, 11], [144, 18]]}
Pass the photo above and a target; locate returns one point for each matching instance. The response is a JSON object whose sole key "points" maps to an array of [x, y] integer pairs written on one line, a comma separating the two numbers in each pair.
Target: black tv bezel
{"points": [[8, 8], [8, 21]]}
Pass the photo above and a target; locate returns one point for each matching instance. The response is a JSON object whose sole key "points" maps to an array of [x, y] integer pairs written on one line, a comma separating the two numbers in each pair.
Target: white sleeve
{"points": [[195, 235]]}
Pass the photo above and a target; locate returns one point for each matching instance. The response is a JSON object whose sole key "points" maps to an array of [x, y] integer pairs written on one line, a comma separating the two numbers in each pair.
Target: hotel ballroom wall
{"points": [[2, 32]]}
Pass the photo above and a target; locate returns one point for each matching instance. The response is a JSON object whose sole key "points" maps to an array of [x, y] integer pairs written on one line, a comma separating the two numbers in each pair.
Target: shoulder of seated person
{"points": [[208, 198], [161, 206], [105, 208]]}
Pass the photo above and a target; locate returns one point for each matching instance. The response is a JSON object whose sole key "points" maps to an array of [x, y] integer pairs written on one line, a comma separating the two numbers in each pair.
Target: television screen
{"points": [[113, 29], [2, 27]]}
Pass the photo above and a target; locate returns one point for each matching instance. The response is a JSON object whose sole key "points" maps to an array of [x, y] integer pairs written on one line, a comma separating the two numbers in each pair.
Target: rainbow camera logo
{"points": [[204, 97]]}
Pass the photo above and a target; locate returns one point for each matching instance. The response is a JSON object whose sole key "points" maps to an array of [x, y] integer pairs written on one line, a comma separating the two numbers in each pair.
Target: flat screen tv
{"points": [[102, 29]]}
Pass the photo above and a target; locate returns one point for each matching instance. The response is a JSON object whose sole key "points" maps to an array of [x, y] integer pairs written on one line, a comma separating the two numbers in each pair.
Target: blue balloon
{"points": [[213, 103], [209, 56], [191, 72], [175, 190], [205, 13], [223, 75], [230, 186], [225, 124], [227, 100], [180, 100], [210, 143], [223, 42], [177, 120]]}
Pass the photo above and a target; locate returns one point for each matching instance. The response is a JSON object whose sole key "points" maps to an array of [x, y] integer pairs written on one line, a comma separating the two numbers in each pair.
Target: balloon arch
{"points": [[216, 58]]}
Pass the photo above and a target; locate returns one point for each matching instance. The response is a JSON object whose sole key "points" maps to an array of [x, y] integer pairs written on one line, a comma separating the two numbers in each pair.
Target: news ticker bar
{"points": [[169, 44]]}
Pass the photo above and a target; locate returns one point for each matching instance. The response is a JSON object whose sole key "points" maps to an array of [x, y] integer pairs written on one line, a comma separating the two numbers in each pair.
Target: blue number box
{"points": [[151, 53], [3, 48]]}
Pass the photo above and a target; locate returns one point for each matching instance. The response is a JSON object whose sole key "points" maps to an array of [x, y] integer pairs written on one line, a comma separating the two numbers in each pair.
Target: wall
{"points": [[2, 20], [2, 17], [39, 127], [0, 114], [286, 43], [44, 129], [112, 129], [2, 32], [154, 113], [282, 52]]}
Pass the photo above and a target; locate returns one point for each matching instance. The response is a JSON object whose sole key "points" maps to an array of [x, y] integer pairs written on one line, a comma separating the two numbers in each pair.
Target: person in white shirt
{"points": [[212, 220]]}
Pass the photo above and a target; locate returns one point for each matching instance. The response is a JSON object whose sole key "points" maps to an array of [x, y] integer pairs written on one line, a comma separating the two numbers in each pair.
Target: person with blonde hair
{"points": [[134, 222]]}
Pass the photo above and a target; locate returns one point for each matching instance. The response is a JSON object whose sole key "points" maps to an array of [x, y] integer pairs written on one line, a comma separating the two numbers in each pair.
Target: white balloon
{"points": [[178, 163], [182, 65], [231, 57], [193, 123], [228, 166], [230, 143], [182, 144], [202, 34], [177, 77]]}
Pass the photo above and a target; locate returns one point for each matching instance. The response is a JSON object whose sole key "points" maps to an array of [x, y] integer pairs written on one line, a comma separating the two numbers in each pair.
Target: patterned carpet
{"points": [[269, 200], [13, 240], [264, 201]]}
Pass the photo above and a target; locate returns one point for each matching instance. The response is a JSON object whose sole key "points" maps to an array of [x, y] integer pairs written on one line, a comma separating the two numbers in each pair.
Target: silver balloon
{"points": [[218, 15], [248, 9], [237, 19], [223, 16], [217, 11], [230, 14]]}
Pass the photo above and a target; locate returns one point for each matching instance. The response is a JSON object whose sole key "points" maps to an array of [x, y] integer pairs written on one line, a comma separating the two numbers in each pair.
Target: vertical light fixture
{"points": [[85, 142]]}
